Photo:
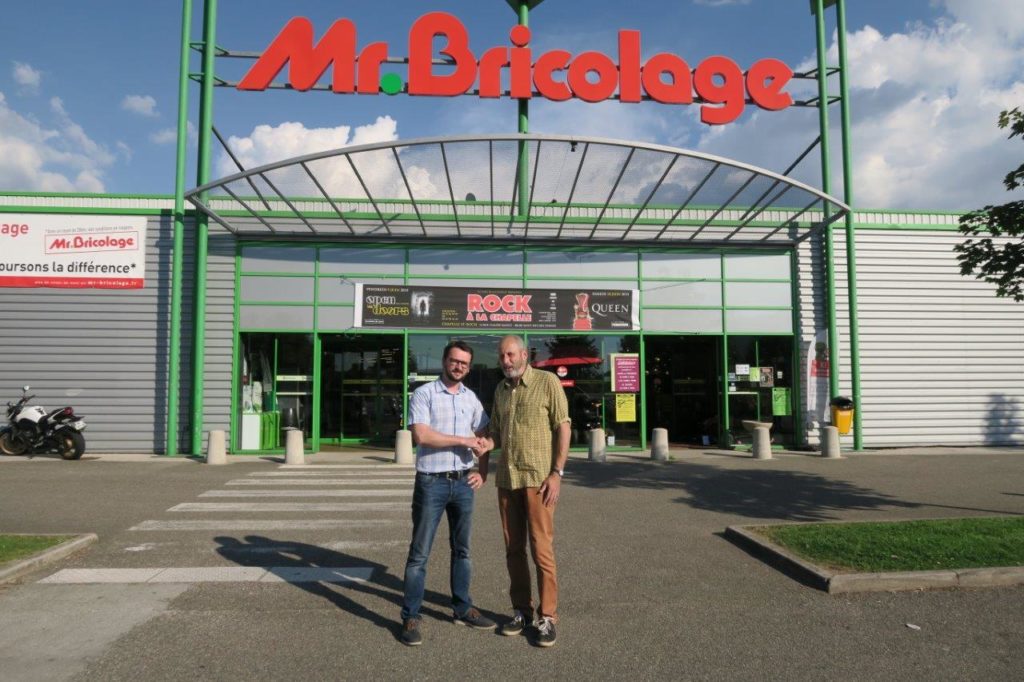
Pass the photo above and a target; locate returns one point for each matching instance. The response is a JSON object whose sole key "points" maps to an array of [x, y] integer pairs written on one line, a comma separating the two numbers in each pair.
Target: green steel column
{"points": [[642, 402], [174, 355], [725, 441], [826, 187], [317, 354], [524, 127], [851, 248], [202, 226], [796, 399]]}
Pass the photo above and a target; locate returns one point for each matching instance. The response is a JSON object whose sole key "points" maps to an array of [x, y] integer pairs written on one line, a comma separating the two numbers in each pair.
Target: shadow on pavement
{"points": [[256, 550], [755, 493]]}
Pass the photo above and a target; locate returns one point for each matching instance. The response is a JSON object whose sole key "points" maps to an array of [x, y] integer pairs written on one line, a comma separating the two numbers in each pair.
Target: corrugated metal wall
{"points": [[942, 358], [220, 310], [105, 352], [102, 351]]}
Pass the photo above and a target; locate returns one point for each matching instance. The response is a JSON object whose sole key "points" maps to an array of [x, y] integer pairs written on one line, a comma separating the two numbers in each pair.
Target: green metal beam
{"points": [[202, 226], [826, 187], [177, 258], [523, 11], [851, 246]]}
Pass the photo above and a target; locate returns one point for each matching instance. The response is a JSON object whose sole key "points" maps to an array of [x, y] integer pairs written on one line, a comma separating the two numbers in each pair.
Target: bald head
{"points": [[512, 356]]}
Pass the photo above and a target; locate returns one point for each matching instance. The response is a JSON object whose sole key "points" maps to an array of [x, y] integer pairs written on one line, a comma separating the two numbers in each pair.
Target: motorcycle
{"points": [[31, 429]]}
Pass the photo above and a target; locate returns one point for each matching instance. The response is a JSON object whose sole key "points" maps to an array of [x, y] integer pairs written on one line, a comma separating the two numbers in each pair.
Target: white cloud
{"points": [[267, 144], [124, 150], [143, 105], [924, 104], [170, 135], [27, 77], [38, 158]]}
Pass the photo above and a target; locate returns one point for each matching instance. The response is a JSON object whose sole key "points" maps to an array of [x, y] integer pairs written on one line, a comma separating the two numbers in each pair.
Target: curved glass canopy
{"points": [[574, 190]]}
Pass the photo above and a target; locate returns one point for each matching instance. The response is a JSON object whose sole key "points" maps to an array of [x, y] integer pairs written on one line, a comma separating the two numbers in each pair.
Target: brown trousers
{"points": [[523, 515]]}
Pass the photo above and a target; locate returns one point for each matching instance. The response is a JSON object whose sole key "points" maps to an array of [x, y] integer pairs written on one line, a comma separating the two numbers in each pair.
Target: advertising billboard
{"points": [[72, 251]]}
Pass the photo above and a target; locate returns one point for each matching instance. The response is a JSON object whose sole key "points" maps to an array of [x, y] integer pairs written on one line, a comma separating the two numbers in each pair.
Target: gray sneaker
{"points": [[515, 626], [545, 631], [411, 632], [474, 619]]}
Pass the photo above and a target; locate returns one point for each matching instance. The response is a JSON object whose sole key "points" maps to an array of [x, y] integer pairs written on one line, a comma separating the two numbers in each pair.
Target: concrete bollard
{"points": [[659, 445], [403, 447], [293, 442], [216, 448], [830, 443], [596, 445], [762, 443]]}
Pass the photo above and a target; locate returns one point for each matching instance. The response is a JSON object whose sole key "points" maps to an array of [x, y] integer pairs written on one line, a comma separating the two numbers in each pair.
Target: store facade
{"points": [[664, 287]]}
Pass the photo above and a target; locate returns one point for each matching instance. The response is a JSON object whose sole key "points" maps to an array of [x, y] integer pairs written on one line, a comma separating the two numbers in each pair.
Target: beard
{"points": [[514, 372], [448, 375]]}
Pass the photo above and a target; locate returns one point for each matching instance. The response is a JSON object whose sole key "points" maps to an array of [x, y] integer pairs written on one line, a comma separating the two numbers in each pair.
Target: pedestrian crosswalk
{"points": [[318, 514]]}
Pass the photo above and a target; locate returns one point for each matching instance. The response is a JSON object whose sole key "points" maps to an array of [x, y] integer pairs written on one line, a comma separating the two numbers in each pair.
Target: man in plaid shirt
{"points": [[530, 422]]}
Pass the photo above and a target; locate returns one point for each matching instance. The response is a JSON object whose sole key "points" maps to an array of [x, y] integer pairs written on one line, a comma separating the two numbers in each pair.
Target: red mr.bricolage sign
{"points": [[717, 82]]}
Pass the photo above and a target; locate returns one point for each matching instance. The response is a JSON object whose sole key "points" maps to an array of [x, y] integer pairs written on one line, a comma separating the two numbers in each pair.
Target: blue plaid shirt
{"points": [[453, 414]]}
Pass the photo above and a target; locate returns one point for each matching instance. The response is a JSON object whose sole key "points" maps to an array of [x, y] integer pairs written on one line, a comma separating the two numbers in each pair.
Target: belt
{"points": [[450, 475]]}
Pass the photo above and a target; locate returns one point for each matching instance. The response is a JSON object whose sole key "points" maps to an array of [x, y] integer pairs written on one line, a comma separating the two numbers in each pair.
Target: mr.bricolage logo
{"points": [[718, 82], [77, 243]]}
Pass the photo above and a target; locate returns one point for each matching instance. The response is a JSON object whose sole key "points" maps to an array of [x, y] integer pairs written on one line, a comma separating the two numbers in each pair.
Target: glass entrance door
{"points": [[361, 388], [682, 387]]}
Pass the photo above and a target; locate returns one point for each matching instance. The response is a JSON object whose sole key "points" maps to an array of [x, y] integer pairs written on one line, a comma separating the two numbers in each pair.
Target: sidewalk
{"points": [[381, 455], [650, 589]]}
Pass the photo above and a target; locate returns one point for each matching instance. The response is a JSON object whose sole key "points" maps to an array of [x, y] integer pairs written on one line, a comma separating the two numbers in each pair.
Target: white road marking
{"points": [[207, 574], [144, 547], [288, 506], [261, 524], [308, 493], [330, 546], [313, 480], [406, 473], [347, 466]]}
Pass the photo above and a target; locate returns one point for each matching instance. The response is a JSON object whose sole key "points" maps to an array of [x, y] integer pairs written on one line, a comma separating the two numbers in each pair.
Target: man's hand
{"points": [[550, 489], [475, 444], [482, 445], [475, 480]]}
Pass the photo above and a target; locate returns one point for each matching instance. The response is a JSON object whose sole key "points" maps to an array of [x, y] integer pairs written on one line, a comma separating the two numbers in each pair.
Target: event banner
{"points": [[72, 251], [472, 308]]}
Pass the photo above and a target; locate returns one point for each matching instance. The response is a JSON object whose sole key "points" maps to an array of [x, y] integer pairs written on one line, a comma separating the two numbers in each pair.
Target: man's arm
{"points": [[552, 485], [424, 435]]}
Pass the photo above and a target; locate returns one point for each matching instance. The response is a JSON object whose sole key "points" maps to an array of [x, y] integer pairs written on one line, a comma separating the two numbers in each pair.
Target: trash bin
{"points": [[289, 422], [842, 414]]}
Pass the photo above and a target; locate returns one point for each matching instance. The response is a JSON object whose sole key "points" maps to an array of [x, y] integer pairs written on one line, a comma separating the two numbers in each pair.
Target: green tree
{"points": [[995, 253]]}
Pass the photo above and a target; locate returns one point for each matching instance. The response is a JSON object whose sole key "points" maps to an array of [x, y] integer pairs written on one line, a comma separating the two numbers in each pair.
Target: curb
{"points": [[845, 583], [21, 568]]}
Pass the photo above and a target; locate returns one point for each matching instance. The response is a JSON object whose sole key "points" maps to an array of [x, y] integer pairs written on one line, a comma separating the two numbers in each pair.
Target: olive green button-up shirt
{"points": [[523, 423]]}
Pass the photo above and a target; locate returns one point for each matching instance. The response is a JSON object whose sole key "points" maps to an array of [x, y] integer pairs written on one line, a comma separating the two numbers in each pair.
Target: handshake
{"points": [[479, 445]]}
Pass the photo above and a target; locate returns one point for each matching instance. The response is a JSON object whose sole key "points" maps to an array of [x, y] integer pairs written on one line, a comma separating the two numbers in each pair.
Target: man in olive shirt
{"points": [[530, 422]]}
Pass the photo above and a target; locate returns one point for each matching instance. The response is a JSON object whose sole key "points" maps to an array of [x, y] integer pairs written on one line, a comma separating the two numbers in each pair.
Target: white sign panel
{"points": [[72, 251]]}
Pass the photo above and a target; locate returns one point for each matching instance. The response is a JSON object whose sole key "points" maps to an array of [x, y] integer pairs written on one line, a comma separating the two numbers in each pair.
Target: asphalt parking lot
{"points": [[649, 587]]}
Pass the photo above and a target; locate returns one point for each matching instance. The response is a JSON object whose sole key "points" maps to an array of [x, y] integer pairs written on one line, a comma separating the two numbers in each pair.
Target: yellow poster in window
{"points": [[625, 407]]}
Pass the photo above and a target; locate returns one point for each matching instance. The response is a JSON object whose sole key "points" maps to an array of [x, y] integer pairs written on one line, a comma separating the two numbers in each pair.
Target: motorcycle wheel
{"points": [[10, 445], [70, 444]]}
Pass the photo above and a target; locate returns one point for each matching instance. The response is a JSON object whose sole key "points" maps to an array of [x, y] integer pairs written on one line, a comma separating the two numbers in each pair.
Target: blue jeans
{"points": [[431, 497]]}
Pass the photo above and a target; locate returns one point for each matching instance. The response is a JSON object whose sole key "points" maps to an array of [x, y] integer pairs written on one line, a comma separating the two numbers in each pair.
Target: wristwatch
{"points": [[560, 472]]}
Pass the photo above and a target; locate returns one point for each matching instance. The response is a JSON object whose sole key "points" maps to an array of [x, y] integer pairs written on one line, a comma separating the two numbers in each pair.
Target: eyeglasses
{"points": [[458, 363]]}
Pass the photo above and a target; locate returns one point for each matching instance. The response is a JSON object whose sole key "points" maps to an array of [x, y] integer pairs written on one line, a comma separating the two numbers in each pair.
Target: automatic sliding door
{"points": [[361, 388]]}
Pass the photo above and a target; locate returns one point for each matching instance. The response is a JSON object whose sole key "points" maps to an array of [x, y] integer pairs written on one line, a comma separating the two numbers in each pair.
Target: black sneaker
{"points": [[515, 626], [411, 632], [545, 631], [474, 619]]}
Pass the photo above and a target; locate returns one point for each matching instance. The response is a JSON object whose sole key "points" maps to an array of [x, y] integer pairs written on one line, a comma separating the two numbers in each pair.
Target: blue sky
{"points": [[88, 89]]}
